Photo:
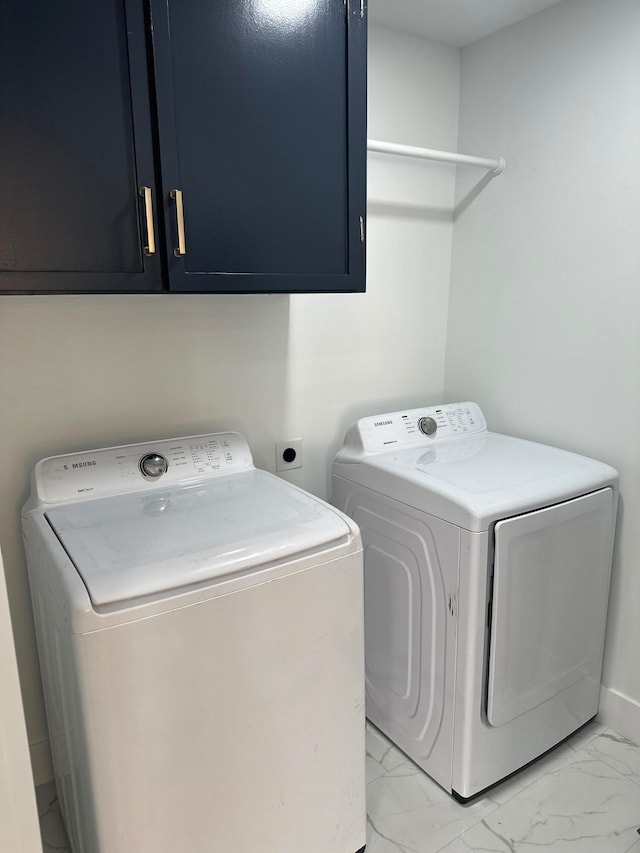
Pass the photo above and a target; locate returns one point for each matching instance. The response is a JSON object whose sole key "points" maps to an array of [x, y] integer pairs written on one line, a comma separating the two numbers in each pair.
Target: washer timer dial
{"points": [[427, 426], [153, 465]]}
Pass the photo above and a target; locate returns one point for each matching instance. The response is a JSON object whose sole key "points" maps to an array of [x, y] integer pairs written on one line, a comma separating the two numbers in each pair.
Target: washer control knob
{"points": [[153, 465], [427, 426]]}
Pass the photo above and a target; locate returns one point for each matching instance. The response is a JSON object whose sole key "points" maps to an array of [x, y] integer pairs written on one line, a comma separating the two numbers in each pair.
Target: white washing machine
{"points": [[200, 631], [487, 565]]}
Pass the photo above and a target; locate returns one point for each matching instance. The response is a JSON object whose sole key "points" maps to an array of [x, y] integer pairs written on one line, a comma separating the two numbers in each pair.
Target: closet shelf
{"points": [[496, 165]]}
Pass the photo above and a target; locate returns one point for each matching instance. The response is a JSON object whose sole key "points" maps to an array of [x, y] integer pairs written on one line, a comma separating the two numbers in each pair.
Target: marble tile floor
{"points": [[583, 797]]}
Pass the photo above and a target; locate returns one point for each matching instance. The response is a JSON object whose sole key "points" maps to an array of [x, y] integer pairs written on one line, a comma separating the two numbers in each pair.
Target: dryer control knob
{"points": [[153, 465], [428, 426]]}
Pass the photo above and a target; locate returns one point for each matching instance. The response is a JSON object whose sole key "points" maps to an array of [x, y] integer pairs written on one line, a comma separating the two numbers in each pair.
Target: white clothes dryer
{"points": [[487, 565], [200, 633]]}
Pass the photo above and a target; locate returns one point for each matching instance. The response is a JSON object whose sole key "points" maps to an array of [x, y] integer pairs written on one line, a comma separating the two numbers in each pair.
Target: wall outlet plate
{"points": [[288, 454]]}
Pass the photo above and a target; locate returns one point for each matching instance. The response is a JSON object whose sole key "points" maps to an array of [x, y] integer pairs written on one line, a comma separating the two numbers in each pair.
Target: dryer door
{"points": [[550, 590]]}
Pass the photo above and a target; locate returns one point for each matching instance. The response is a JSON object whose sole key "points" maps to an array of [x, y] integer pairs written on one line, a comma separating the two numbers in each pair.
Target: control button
{"points": [[427, 426], [153, 465]]}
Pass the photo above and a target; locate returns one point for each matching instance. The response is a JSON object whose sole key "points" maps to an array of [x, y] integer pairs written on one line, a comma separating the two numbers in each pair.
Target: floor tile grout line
{"points": [[634, 777], [462, 841]]}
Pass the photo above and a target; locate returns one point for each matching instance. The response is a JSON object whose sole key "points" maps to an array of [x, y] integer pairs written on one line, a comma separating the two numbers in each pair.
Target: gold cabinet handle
{"points": [[177, 196], [150, 248]]}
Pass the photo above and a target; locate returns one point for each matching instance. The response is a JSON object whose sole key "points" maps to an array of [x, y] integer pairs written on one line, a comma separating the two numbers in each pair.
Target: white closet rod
{"points": [[496, 166]]}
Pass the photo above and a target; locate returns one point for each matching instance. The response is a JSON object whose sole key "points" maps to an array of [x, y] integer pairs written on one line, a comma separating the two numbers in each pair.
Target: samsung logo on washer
{"points": [[81, 464], [382, 423]]}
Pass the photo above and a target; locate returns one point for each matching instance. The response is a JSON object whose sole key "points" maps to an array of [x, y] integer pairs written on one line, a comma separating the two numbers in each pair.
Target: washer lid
{"points": [[135, 545], [477, 480]]}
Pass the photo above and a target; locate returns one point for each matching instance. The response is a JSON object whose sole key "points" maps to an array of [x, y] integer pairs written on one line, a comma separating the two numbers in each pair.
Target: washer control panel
{"points": [[417, 426], [153, 465], [156, 464]]}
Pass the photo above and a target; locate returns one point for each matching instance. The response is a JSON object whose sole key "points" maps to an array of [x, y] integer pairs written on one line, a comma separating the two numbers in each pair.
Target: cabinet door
{"points": [[262, 125], [73, 84]]}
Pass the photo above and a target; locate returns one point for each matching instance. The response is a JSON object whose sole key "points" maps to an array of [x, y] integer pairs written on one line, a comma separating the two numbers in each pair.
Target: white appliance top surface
{"points": [[470, 477], [483, 465], [134, 545], [141, 519]]}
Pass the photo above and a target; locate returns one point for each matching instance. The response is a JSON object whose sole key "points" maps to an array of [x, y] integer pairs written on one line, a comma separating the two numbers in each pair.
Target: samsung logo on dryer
{"points": [[87, 464], [382, 423]]}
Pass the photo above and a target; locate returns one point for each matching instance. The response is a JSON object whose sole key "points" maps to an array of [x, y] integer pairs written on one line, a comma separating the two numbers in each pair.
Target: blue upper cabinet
{"points": [[261, 110], [73, 84], [244, 119]]}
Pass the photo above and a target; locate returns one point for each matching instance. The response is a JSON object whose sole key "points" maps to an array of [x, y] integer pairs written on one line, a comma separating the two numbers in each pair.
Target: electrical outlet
{"points": [[288, 454]]}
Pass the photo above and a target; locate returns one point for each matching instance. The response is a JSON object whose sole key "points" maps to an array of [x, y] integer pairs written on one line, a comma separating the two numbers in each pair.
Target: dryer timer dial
{"points": [[153, 465]]}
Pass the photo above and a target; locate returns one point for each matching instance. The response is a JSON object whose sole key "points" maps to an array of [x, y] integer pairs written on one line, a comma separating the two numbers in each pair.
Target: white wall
{"points": [[544, 318], [18, 813], [78, 372]]}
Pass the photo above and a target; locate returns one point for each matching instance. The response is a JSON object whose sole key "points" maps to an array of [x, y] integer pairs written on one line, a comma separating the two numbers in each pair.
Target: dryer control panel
{"points": [[134, 467], [416, 426]]}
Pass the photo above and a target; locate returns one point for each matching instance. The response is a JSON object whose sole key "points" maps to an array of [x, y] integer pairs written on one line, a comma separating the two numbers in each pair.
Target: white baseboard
{"points": [[41, 766], [620, 713]]}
